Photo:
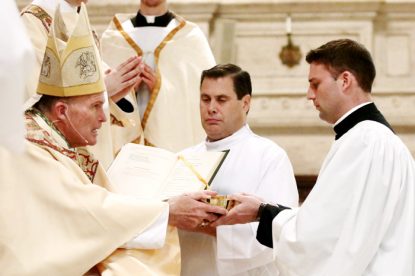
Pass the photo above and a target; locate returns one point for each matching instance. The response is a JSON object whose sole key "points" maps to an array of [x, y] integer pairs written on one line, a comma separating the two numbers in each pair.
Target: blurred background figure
{"points": [[16, 61]]}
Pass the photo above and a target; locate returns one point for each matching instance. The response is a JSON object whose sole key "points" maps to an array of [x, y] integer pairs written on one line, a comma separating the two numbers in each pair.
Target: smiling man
{"points": [[254, 165]]}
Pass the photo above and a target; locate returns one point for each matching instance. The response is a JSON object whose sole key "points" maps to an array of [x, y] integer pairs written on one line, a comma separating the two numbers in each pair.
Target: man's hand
{"points": [[121, 80], [148, 76], [187, 212], [245, 211]]}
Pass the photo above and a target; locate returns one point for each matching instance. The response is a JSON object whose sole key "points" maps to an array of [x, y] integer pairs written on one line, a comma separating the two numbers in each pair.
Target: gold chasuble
{"points": [[171, 119]]}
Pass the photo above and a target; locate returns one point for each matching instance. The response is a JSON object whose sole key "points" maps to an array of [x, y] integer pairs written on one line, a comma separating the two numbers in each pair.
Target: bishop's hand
{"points": [[188, 212]]}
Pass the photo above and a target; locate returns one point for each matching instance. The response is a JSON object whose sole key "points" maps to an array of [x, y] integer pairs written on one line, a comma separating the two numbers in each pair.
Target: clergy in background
{"points": [[37, 18], [66, 224], [165, 103], [359, 219], [253, 165]]}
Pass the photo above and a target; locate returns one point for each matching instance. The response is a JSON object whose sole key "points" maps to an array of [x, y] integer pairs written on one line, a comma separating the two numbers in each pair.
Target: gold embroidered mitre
{"points": [[71, 66]]}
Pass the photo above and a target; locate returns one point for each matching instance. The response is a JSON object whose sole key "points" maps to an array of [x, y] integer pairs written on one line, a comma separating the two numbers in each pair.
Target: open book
{"points": [[149, 172]]}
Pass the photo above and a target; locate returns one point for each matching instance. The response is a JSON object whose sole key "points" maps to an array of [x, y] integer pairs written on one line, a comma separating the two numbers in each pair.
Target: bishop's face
{"points": [[83, 117], [221, 112], [326, 92]]}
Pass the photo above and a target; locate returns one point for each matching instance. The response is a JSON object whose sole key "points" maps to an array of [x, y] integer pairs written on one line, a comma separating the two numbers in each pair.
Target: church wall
{"points": [[252, 33]]}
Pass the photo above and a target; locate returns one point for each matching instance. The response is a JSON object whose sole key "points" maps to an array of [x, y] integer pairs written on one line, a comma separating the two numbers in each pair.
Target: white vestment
{"points": [[55, 222], [16, 60], [359, 219], [171, 119], [254, 165], [148, 38]]}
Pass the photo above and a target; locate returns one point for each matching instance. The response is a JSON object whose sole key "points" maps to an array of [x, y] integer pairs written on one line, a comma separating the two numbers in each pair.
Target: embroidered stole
{"points": [[39, 13], [43, 136]]}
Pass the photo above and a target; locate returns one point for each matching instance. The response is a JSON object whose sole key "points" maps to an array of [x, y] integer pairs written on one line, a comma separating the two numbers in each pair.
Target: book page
{"points": [[183, 179], [141, 171]]}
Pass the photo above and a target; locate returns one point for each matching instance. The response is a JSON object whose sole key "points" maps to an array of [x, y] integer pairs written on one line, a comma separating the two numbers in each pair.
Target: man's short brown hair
{"points": [[346, 55]]}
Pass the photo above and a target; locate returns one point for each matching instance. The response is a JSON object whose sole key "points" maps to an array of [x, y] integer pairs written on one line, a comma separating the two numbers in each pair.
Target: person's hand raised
{"points": [[148, 76], [121, 80]]}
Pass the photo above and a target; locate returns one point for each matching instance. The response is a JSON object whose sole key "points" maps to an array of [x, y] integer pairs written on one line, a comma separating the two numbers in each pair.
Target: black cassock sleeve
{"points": [[125, 105], [264, 232]]}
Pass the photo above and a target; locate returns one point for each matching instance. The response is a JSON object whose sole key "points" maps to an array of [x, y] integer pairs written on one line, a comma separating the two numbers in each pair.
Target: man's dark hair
{"points": [[346, 55], [241, 79]]}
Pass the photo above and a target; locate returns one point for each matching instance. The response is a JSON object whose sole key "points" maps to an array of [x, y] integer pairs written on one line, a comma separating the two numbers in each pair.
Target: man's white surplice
{"points": [[254, 165], [359, 218]]}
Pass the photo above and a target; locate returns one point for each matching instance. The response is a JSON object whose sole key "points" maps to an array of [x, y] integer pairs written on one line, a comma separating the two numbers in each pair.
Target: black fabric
{"points": [[125, 105], [264, 232], [160, 21], [367, 112]]}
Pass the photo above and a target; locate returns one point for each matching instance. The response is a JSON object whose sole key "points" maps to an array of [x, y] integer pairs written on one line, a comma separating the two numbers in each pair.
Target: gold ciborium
{"points": [[221, 201]]}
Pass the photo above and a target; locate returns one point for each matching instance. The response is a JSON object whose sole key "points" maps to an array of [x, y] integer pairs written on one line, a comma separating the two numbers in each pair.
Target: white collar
{"points": [[150, 18], [350, 112], [227, 141]]}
